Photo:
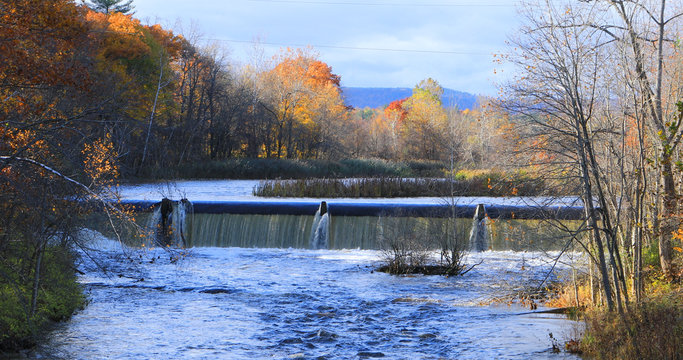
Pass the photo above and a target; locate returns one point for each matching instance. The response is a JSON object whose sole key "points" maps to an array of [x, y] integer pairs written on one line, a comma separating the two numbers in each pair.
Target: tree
{"points": [[52, 165], [133, 68], [112, 6], [424, 132], [557, 98], [303, 97], [646, 26]]}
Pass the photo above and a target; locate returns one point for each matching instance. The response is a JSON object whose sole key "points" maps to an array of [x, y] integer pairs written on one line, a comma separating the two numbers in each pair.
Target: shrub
{"points": [[406, 244], [403, 245], [59, 296], [650, 330]]}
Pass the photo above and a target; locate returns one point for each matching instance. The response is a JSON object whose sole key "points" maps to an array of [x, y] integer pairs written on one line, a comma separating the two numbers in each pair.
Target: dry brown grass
{"points": [[652, 329]]}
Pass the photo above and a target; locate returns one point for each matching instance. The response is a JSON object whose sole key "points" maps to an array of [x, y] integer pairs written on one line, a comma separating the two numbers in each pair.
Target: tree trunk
{"points": [[36, 279], [154, 110], [591, 217], [668, 224]]}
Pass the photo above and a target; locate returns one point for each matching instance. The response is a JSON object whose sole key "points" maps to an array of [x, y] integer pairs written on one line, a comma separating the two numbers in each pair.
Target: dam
{"points": [[235, 218]]}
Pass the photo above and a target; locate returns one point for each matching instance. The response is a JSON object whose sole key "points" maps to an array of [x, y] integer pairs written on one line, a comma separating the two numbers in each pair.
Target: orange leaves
{"points": [[100, 160], [299, 68], [115, 22], [38, 42], [304, 98], [319, 74], [173, 44], [121, 36], [14, 141], [396, 111]]}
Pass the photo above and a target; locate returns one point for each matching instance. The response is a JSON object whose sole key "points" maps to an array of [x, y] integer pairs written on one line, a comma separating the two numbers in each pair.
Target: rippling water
{"points": [[235, 303]]}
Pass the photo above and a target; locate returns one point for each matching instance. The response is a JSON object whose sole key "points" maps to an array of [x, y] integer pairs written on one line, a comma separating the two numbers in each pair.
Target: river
{"points": [[258, 303]]}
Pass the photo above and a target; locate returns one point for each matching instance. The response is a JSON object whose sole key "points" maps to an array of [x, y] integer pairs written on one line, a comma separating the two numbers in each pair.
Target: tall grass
{"points": [[649, 330], [485, 184], [295, 169]]}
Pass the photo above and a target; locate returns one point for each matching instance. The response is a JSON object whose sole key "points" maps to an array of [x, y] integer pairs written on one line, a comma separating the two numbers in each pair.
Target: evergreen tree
{"points": [[110, 6]]}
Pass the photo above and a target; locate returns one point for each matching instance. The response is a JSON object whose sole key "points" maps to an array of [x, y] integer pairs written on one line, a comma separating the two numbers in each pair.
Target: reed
{"points": [[294, 169], [491, 184]]}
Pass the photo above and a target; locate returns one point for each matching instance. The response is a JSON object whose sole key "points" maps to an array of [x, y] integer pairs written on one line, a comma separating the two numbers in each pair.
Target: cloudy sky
{"points": [[371, 43]]}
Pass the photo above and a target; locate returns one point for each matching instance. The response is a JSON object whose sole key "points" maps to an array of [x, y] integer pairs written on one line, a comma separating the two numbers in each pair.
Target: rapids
{"points": [[236, 303]]}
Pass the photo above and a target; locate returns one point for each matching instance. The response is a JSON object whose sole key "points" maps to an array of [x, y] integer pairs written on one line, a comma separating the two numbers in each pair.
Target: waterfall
{"points": [[167, 225], [181, 223], [320, 231], [478, 233], [153, 223], [181, 210]]}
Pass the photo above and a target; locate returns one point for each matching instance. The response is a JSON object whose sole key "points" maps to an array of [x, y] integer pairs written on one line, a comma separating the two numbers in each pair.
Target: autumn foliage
{"points": [[303, 99]]}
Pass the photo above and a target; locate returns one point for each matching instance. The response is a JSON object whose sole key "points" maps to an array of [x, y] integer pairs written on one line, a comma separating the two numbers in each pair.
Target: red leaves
{"points": [[395, 109]]}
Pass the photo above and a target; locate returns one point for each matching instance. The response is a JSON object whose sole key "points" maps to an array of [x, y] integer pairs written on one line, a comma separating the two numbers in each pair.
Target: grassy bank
{"points": [[59, 295], [490, 183], [294, 169], [650, 329]]}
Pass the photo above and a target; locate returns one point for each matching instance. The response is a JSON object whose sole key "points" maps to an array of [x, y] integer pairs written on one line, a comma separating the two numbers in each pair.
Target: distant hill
{"points": [[359, 97]]}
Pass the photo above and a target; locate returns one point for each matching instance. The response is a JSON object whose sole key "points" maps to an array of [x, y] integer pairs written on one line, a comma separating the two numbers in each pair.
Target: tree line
{"points": [[597, 102], [89, 95], [161, 99]]}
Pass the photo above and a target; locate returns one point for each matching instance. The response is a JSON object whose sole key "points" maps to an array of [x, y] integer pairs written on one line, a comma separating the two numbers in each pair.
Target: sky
{"points": [[371, 43]]}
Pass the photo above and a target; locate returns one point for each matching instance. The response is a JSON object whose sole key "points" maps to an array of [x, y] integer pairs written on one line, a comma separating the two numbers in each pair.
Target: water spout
{"points": [[478, 233], [320, 231], [167, 222]]}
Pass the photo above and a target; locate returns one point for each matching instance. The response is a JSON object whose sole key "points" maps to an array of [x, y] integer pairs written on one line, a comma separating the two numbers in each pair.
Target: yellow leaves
{"points": [[304, 95], [99, 160]]}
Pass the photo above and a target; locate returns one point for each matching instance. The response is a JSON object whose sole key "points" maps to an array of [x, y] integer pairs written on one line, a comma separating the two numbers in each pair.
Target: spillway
{"points": [[377, 208], [351, 225]]}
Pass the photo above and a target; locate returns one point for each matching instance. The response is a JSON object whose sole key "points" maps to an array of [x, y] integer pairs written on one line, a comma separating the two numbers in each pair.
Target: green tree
{"points": [[111, 6]]}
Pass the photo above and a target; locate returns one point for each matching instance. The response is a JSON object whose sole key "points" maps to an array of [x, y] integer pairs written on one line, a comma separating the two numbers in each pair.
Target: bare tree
{"points": [[646, 27], [556, 101]]}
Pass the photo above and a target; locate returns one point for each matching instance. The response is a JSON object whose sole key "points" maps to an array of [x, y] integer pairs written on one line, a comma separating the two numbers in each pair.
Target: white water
{"points": [[235, 303], [320, 232]]}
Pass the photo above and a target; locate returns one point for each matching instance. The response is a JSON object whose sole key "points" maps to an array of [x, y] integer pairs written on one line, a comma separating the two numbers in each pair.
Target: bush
{"points": [[650, 330], [58, 297], [406, 245]]}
